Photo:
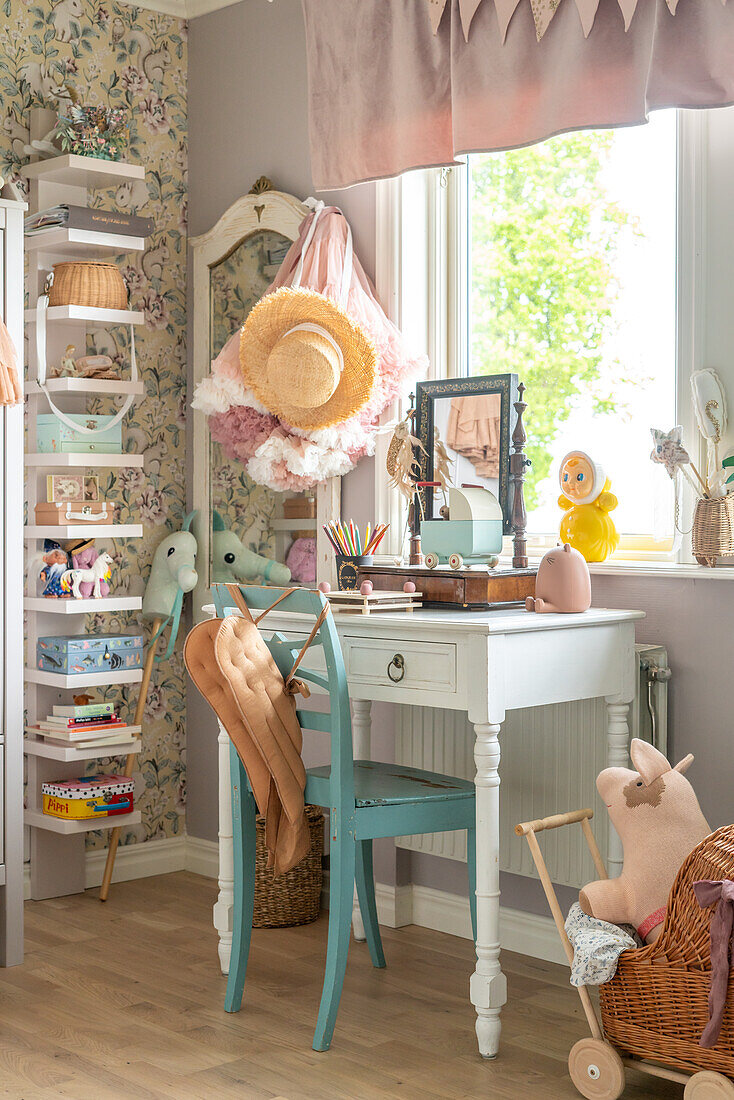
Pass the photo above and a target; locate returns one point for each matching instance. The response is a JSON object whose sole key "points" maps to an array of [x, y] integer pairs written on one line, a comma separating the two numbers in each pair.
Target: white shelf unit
{"points": [[60, 680], [57, 846], [11, 603], [51, 461], [37, 746], [83, 531], [37, 819], [83, 606]]}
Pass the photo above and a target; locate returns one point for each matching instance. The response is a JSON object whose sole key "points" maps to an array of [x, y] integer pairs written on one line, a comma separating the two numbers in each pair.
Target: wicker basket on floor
{"points": [[656, 1005], [88, 283], [713, 529], [295, 897]]}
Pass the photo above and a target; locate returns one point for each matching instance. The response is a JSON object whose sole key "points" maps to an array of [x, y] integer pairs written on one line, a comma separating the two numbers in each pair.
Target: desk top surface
{"points": [[451, 622]]}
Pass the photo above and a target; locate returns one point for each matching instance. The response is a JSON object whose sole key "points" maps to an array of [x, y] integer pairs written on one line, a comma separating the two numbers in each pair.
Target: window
{"points": [[594, 266], [572, 260]]}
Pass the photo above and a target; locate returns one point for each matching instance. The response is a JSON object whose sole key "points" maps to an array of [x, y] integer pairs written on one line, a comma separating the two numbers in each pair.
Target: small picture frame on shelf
{"points": [[71, 488]]}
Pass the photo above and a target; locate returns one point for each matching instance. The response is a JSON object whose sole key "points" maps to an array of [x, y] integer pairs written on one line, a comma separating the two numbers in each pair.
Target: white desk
{"points": [[483, 663]]}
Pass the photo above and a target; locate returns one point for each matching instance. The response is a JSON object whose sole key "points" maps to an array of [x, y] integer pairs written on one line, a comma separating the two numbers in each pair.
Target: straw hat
{"points": [[306, 360]]}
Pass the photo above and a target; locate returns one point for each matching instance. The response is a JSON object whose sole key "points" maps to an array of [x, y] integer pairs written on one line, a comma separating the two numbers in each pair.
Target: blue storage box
{"points": [[55, 437], [73, 655]]}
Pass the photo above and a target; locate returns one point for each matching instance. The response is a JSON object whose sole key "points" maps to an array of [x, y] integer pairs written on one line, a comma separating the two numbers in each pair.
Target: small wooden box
{"points": [[469, 589]]}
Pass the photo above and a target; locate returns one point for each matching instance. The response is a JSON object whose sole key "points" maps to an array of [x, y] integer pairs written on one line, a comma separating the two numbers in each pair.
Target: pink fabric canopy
{"points": [[387, 94]]}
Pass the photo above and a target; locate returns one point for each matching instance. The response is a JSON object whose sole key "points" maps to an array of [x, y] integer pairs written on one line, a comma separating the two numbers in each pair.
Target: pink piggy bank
{"points": [[563, 582]]}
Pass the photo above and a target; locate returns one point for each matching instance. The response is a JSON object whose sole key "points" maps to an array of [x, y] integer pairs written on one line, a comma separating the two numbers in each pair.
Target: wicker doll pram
{"points": [[655, 1008]]}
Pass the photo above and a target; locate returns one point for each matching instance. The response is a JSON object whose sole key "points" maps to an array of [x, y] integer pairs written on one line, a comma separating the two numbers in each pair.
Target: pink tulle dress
{"points": [[274, 453]]}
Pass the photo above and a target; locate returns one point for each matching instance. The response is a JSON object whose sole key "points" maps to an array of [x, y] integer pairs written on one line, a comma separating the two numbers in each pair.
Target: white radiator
{"points": [[551, 757]]}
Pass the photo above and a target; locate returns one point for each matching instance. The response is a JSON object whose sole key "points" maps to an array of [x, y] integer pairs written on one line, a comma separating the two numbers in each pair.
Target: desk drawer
{"points": [[419, 666]]}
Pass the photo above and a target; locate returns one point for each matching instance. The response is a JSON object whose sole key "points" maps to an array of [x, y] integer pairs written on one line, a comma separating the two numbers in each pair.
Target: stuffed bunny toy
{"points": [[659, 821]]}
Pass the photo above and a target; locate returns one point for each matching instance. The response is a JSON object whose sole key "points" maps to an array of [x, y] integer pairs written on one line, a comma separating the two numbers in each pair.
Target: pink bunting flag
{"points": [[435, 11], [628, 9], [468, 9], [543, 12], [505, 11], [587, 12]]}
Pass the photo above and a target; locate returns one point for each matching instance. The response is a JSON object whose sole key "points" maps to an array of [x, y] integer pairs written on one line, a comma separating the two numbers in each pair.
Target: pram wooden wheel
{"points": [[431, 560], [455, 561], [708, 1085], [596, 1070]]}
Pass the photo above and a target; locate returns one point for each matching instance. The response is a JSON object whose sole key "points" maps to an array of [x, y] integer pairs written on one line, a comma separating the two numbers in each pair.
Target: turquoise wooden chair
{"points": [[365, 800]]}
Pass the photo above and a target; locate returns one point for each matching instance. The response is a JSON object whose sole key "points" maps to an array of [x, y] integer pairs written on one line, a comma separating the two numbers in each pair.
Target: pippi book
{"points": [[89, 796]]}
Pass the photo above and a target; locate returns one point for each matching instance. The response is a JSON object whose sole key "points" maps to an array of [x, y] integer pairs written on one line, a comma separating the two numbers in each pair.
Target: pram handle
{"points": [[553, 822]]}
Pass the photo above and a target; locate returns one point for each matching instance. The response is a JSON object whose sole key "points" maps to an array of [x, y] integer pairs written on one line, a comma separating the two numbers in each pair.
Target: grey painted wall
{"points": [[247, 81]]}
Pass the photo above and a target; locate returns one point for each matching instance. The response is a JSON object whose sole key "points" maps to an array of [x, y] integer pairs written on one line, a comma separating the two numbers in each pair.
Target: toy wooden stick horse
{"points": [[171, 576]]}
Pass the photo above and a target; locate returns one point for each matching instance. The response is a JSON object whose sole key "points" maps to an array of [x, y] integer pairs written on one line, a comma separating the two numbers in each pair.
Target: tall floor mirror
{"points": [[233, 265]]}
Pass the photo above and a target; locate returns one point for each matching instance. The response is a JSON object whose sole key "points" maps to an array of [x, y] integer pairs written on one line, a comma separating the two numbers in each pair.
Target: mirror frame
{"points": [[506, 385], [261, 209]]}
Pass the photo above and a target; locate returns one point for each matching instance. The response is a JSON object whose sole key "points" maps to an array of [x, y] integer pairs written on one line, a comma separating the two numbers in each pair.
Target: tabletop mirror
{"points": [[233, 265]]}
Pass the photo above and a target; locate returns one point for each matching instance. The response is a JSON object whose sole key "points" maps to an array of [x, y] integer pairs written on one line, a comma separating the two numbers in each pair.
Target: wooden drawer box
{"points": [[426, 666]]}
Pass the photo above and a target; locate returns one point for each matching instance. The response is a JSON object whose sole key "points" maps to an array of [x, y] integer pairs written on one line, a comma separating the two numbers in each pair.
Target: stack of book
{"points": [[94, 725], [88, 217]]}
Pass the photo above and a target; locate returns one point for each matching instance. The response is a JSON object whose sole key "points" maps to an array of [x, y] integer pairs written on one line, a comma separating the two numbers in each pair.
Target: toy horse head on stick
{"points": [[233, 562], [171, 576]]}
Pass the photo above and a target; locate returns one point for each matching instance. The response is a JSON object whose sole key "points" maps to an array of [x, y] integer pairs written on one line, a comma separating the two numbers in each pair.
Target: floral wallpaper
{"points": [[236, 284], [125, 57]]}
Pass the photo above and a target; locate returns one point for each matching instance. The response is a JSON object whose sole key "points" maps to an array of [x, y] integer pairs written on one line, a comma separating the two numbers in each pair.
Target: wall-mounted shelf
{"points": [[36, 746], [88, 386], [82, 607], [98, 458], [39, 820], [80, 244], [85, 531], [84, 679], [76, 315], [75, 171], [306, 524]]}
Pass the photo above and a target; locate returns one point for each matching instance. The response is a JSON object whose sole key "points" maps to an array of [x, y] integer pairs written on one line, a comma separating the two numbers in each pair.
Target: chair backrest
{"points": [[337, 722]]}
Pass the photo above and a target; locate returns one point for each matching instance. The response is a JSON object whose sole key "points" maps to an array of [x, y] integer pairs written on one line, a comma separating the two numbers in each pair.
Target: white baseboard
{"points": [[152, 857]]}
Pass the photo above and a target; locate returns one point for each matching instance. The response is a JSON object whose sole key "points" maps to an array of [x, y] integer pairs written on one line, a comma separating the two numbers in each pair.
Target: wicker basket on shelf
{"points": [[713, 529], [295, 897], [88, 283]]}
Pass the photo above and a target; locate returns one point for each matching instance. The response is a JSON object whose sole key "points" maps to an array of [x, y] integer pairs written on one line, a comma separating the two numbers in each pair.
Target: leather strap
{"points": [[239, 600]]}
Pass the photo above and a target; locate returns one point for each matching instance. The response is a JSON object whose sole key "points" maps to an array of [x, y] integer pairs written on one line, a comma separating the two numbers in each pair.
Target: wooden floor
{"points": [[124, 1000]]}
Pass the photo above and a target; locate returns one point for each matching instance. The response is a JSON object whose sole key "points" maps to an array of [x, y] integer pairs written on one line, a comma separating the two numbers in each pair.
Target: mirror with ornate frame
{"points": [[233, 265]]}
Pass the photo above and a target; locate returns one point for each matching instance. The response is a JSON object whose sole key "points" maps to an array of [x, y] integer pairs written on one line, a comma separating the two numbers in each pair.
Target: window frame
{"points": [[422, 279]]}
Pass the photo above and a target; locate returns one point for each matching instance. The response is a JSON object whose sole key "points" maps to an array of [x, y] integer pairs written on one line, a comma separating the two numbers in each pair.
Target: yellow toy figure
{"points": [[587, 502]]}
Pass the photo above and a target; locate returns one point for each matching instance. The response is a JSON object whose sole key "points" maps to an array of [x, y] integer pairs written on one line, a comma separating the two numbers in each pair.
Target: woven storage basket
{"points": [[713, 529], [88, 283], [295, 897], [656, 1005]]}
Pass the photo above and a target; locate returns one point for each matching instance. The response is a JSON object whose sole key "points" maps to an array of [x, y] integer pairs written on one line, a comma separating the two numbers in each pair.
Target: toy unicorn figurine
{"points": [[171, 576], [99, 570], [232, 562], [83, 556], [587, 502]]}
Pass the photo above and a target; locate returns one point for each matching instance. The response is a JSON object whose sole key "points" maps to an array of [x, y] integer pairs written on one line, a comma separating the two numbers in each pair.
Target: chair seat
{"points": [[378, 784]]}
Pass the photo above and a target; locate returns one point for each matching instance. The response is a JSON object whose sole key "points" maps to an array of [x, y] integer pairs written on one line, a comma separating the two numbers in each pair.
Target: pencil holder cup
{"points": [[347, 570]]}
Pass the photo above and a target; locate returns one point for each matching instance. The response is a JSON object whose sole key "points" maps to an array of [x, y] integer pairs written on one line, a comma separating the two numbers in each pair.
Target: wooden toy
{"points": [[472, 533], [365, 603], [656, 1007], [366, 588], [586, 501], [563, 583], [475, 588]]}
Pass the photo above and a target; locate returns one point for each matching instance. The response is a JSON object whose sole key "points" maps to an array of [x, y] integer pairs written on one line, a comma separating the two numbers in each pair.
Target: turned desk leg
{"points": [[488, 987], [362, 749], [618, 736], [224, 905]]}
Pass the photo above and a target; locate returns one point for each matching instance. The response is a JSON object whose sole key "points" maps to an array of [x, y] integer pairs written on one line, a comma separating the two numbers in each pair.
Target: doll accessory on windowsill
{"points": [[10, 391], [586, 500], [56, 563], [275, 451]]}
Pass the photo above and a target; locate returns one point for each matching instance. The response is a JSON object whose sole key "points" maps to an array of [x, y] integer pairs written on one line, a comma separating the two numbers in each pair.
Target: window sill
{"points": [[673, 570]]}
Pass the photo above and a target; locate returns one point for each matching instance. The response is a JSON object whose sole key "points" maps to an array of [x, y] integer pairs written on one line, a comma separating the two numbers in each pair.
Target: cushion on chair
{"points": [[378, 784]]}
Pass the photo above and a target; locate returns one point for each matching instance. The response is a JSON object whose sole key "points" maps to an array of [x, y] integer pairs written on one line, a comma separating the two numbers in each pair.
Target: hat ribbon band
{"points": [[310, 326]]}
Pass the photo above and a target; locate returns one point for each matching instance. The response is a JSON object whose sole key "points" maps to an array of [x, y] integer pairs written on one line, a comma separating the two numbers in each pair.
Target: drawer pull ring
{"points": [[398, 663]]}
